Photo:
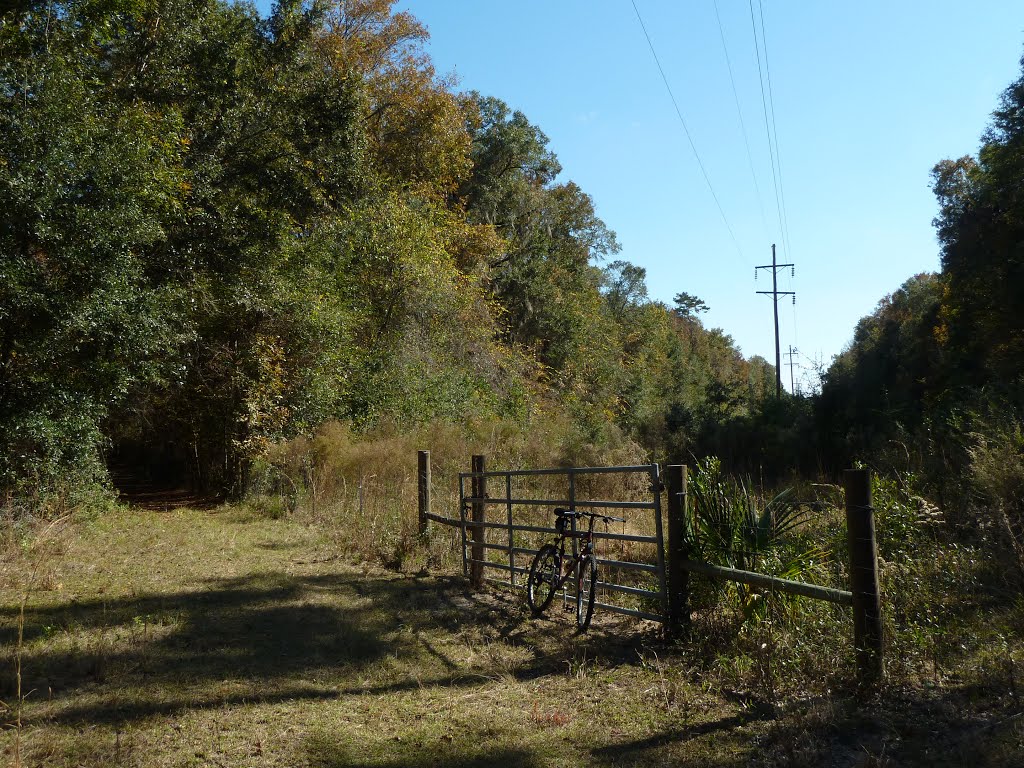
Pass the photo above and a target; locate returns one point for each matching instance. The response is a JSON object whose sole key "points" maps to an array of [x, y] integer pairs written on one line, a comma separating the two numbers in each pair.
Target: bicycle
{"points": [[547, 575]]}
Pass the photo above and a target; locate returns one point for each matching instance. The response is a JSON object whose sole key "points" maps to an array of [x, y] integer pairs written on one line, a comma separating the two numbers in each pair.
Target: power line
{"points": [[739, 113], [778, 160], [686, 130], [764, 105], [775, 130], [796, 332]]}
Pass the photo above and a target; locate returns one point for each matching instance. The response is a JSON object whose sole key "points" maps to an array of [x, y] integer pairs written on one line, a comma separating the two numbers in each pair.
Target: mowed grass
{"points": [[223, 638]]}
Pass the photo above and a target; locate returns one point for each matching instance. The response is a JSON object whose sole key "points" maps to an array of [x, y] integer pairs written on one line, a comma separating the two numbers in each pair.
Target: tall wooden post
{"points": [[867, 609], [423, 488], [476, 568], [678, 577]]}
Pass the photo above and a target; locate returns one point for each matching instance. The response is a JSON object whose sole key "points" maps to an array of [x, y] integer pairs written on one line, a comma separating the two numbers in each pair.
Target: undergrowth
{"points": [[189, 635], [943, 608]]}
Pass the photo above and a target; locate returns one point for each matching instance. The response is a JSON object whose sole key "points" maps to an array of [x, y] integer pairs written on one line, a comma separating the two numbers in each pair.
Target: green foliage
{"points": [[926, 369], [981, 230], [87, 187], [544, 279], [688, 305], [225, 231], [905, 521], [888, 376], [732, 526]]}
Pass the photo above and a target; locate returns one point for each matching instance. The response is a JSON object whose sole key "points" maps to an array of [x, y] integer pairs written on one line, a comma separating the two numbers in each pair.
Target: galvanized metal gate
{"points": [[528, 519]]}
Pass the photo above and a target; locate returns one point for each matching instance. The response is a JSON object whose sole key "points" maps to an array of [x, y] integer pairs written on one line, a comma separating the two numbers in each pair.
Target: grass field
{"points": [[223, 638]]}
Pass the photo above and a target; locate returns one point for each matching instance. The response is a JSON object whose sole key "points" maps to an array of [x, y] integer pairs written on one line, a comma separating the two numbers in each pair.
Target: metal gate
{"points": [[502, 531]]}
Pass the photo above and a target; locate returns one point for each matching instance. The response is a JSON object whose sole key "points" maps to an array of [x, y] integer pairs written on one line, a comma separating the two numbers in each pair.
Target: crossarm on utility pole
{"points": [[775, 293]]}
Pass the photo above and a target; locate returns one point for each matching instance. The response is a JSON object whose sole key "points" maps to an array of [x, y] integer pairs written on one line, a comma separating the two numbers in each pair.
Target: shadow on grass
{"points": [[628, 753], [265, 638], [326, 754]]}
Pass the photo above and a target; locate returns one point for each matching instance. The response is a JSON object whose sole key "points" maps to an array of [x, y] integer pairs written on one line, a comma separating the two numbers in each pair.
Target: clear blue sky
{"points": [[868, 97]]}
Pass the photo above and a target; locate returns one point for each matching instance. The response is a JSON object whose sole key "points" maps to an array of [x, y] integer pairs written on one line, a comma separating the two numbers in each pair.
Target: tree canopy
{"points": [[224, 229]]}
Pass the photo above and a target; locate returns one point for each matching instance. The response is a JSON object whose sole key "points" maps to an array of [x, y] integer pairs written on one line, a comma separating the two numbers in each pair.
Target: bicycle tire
{"points": [[544, 571], [586, 593]]}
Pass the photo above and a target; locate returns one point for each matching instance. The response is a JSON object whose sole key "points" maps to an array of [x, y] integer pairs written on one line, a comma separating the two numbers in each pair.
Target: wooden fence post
{"points": [[867, 610], [476, 568], [678, 577], [423, 487]]}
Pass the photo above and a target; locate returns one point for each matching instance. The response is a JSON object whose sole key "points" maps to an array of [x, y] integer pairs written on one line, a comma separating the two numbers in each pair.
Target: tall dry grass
{"points": [[361, 489], [28, 563]]}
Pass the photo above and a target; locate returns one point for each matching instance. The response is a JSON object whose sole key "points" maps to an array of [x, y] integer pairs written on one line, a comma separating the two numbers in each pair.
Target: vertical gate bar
{"points": [[511, 551], [575, 541], [659, 532], [423, 489], [476, 566], [462, 517]]}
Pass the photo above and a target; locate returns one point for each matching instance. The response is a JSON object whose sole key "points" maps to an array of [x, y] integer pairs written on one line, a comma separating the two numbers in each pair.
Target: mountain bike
{"points": [[553, 566]]}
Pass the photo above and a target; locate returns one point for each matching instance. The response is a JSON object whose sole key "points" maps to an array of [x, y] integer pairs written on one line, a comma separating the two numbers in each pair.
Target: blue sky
{"points": [[868, 96]]}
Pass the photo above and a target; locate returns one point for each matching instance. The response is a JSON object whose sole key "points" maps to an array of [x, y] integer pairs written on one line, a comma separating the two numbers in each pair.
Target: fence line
{"points": [[673, 562]]}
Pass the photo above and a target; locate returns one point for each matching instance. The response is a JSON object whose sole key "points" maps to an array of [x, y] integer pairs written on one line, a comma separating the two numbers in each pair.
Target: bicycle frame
{"points": [[586, 538], [552, 566]]}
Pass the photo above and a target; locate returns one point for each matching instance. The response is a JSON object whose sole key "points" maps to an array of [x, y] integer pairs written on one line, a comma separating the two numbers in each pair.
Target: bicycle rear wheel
{"points": [[586, 592], [540, 589]]}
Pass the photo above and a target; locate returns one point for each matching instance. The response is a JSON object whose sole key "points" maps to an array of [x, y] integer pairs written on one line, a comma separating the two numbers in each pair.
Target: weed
{"points": [[39, 552], [997, 470]]}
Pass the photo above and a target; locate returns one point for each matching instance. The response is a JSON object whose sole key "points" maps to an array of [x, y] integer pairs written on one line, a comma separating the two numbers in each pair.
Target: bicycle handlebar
{"points": [[579, 513]]}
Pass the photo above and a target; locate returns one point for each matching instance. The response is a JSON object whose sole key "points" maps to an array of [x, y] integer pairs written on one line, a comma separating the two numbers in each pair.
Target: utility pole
{"points": [[792, 352], [775, 293]]}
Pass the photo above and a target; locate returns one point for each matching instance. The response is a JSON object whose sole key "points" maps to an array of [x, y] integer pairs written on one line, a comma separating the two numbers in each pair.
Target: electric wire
{"points": [[739, 114], [796, 336], [778, 160], [686, 130], [775, 131], [793, 324], [764, 105]]}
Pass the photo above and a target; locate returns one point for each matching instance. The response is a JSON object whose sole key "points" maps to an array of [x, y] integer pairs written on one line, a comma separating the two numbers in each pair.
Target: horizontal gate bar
{"points": [[610, 563], [630, 590], [772, 582], [594, 504], [604, 606], [540, 529], [502, 547], [628, 566], [564, 471], [489, 564], [626, 537], [629, 612]]}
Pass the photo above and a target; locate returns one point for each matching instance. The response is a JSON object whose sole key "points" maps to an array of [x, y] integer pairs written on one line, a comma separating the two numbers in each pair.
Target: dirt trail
{"points": [[136, 490]]}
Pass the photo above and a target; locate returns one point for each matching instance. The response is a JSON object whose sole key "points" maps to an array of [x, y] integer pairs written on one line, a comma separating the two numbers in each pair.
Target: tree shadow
{"points": [[638, 752], [259, 638], [899, 725], [326, 754]]}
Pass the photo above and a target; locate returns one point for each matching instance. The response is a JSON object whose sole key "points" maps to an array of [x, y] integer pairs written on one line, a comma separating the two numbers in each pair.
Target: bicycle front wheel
{"points": [[586, 591], [540, 589]]}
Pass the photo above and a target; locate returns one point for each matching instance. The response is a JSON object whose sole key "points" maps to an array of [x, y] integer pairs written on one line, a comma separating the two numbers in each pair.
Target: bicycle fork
{"points": [[577, 579]]}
